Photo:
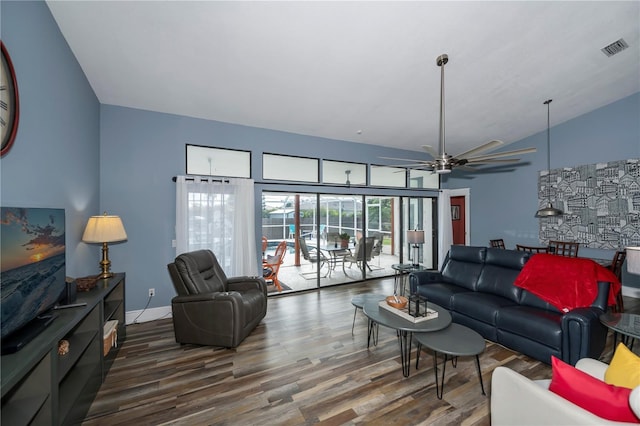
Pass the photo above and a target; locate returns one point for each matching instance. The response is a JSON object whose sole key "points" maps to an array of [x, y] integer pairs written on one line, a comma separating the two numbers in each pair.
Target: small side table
{"points": [[626, 324], [402, 271]]}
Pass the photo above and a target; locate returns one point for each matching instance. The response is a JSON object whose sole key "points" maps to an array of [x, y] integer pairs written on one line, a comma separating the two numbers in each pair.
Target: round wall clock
{"points": [[9, 104]]}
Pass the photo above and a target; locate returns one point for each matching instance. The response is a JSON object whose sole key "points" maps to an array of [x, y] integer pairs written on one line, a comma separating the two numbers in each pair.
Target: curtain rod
{"points": [[315, 185], [175, 179]]}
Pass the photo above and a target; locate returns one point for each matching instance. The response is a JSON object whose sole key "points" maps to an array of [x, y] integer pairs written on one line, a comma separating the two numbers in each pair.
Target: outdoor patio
{"points": [[303, 277]]}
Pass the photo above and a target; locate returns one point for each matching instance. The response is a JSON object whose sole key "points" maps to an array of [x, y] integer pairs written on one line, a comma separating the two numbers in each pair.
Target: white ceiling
{"points": [[359, 71]]}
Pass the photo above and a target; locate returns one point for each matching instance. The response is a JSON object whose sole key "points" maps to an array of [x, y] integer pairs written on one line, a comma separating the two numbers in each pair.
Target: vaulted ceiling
{"points": [[359, 71]]}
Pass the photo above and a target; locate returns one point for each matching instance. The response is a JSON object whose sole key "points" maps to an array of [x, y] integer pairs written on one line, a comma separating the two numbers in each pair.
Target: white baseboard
{"points": [[145, 315], [631, 292]]}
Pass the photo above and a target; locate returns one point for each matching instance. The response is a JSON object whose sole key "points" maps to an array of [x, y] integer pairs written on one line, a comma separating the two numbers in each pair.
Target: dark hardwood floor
{"points": [[300, 366]]}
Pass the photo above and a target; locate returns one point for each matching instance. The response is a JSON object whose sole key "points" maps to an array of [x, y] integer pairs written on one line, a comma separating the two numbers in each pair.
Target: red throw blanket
{"points": [[566, 282]]}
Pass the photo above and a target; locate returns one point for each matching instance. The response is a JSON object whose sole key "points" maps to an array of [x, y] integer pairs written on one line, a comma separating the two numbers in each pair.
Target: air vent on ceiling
{"points": [[615, 47]]}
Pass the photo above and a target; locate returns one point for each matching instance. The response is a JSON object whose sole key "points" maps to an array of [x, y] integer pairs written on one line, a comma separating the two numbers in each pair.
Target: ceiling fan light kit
{"points": [[442, 162], [549, 210]]}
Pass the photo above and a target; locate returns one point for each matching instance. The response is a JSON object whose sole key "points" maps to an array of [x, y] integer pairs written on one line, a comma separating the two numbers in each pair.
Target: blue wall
{"points": [[54, 161]]}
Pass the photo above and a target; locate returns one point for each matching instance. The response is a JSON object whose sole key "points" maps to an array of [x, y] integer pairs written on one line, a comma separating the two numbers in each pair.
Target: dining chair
{"points": [[532, 249], [616, 268], [564, 248], [271, 265], [497, 243]]}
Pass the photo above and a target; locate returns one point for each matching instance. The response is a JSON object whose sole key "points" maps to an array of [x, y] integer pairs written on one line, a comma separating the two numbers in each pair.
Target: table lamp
{"points": [[102, 230], [415, 237], [633, 260]]}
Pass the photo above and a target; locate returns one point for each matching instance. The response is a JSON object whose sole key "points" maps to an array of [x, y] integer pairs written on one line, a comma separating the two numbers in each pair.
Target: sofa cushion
{"points": [[607, 401], [501, 268], [440, 293], [541, 326], [481, 306], [529, 299], [624, 369], [464, 265]]}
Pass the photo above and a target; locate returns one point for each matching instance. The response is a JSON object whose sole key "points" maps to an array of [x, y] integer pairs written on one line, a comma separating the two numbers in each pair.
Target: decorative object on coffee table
{"points": [[418, 306], [398, 302], [404, 313]]}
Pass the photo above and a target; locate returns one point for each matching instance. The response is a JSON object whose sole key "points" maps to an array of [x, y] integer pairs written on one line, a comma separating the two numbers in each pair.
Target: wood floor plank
{"points": [[301, 366]]}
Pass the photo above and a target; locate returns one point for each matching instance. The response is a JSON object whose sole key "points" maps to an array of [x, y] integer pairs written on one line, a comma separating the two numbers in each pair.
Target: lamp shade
{"points": [[104, 229], [633, 260], [415, 237]]}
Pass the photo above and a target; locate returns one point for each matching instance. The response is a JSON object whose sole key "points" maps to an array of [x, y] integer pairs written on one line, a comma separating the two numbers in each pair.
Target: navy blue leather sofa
{"points": [[476, 286]]}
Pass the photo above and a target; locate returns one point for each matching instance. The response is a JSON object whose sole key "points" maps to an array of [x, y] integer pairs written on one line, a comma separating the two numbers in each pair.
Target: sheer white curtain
{"points": [[218, 216], [445, 227]]}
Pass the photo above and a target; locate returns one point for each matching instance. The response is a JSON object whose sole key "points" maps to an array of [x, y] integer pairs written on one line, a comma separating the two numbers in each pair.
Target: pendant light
{"points": [[548, 211]]}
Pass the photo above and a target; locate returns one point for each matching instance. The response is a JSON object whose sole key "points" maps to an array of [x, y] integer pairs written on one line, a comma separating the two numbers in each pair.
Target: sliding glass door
{"points": [[335, 239]]}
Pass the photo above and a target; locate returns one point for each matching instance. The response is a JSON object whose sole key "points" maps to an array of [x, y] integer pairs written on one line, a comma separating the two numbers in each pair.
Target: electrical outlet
{"points": [[152, 292]]}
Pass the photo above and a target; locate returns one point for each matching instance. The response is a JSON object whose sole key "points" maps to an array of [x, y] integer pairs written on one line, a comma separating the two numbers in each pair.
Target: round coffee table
{"points": [[405, 328], [455, 340]]}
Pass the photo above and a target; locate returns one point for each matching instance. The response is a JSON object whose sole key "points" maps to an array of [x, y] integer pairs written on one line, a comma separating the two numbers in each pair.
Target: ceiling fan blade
{"points": [[431, 151], [474, 161], [414, 165], [484, 147], [502, 154]]}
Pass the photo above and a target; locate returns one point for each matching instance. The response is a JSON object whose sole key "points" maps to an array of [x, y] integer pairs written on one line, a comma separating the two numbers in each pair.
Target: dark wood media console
{"points": [[41, 387]]}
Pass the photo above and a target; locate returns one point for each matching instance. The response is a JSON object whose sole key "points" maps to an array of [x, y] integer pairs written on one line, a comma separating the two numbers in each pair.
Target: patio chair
{"points": [[377, 250], [362, 254], [271, 265], [314, 256]]}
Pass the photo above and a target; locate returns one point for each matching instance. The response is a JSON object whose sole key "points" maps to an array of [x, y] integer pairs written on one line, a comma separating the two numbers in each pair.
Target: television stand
{"points": [[21, 337], [42, 386]]}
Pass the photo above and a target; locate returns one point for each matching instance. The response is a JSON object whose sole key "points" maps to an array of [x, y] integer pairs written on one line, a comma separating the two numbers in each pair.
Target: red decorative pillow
{"points": [[607, 401]]}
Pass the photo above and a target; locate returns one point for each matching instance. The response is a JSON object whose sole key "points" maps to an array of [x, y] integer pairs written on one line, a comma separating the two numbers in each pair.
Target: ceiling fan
{"points": [[443, 162]]}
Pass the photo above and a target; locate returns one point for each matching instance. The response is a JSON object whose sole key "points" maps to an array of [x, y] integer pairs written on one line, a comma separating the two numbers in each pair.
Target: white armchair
{"points": [[516, 399]]}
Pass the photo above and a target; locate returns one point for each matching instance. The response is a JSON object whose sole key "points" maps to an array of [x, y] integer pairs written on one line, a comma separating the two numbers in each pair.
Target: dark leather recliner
{"points": [[211, 309]]}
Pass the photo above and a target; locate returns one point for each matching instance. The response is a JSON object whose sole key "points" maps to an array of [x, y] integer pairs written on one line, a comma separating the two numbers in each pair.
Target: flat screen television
{"points": [[32, 271]]}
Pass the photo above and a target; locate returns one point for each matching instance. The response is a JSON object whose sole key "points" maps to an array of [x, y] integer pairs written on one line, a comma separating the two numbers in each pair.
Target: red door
{"points": [[458, 220]]}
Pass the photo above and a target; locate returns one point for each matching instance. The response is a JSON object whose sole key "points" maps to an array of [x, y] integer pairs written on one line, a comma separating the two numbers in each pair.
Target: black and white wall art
{"points": [[601, 204]]}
